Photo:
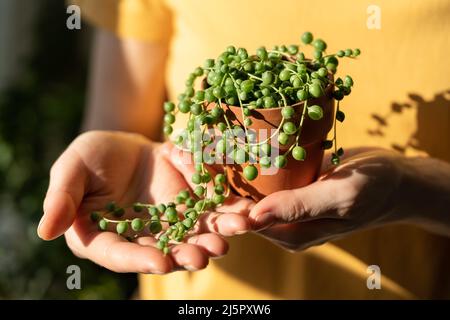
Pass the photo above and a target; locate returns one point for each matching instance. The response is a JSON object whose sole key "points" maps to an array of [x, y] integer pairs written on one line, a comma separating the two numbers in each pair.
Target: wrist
{"points": [[423, 195]]}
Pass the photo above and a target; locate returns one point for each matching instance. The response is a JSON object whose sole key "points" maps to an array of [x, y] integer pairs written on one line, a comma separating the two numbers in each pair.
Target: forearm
{"points": [[424, 194], [126, 87]]}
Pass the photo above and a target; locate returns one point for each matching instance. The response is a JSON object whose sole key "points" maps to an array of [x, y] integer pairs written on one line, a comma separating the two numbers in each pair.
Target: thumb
{"points": [[68, 178], [307, 203], [183, 162]]}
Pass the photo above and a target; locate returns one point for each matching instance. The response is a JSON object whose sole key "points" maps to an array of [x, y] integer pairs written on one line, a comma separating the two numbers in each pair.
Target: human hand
{"points": [[360, 193], [101, 166]]}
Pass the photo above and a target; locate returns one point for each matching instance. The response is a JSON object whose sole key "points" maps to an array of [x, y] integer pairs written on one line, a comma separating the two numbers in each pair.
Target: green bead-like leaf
{"points": [[122, 227], [171, 215], [315, 112], [155, 227], [299, 153], [103, 224], [250, 172], [219, 178], [287, 112], [218, 199], [137, 224], [188, 223], [280, 162], [264, 162], [199, 191]]}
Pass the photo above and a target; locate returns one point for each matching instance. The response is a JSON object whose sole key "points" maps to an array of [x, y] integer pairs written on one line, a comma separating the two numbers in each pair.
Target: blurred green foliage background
{"points": [[40, 114]]}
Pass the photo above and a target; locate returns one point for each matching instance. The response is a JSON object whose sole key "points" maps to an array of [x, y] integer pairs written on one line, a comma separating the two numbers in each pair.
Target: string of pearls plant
{"points": [[281, 77]]}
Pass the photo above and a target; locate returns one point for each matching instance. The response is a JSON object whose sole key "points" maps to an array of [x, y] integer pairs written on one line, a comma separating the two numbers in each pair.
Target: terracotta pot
{"points": [[297, 173]]}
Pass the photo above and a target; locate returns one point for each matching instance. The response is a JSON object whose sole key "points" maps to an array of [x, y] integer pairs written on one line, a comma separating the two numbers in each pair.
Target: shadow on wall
{"points": [[433, 124]]}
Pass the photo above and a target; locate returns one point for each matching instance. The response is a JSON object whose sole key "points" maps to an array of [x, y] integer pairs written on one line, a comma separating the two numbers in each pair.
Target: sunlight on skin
{"points": [[100, 166]]}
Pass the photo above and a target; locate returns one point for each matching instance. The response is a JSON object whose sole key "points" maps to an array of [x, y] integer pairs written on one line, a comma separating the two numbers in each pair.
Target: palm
{"points": [[102, 166], [126, 169]]}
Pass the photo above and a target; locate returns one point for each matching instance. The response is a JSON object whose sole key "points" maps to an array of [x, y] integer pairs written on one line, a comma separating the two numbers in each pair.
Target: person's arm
{"points": [[424, 194], [126, 86], [372, 187]]}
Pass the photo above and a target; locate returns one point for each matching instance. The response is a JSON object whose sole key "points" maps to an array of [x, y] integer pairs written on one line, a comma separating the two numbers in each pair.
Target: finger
{"points": [[164, 171], [146, 241], [213, 244], [237, 205], [302, 235], [68, 178], [117, 254], [185, 256], [226, 224], [317, 200], [189, 257]]}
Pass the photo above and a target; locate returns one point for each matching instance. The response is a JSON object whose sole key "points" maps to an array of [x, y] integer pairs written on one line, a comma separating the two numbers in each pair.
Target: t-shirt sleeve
{"points": [[148, 20]]}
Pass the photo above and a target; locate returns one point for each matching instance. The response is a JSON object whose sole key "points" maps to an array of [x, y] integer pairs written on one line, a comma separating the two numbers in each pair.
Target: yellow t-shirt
{"points": [[401, 100]]}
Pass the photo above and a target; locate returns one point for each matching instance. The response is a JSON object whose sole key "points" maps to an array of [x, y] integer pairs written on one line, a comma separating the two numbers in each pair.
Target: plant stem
{"points": [[334, 129], [254, 77], [276, 131], [130, 220], [300, 126], [242, 110]]}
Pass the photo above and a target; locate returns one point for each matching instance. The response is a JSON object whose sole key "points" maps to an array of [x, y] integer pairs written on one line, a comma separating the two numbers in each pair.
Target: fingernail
{"points": [[190, 268], [39, 226], [240, 232], [263, 221], [217, 257]]}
